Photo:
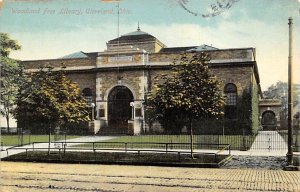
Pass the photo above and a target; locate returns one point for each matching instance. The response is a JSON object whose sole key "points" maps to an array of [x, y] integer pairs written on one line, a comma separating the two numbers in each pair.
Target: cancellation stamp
{"points": [[213, 8]]}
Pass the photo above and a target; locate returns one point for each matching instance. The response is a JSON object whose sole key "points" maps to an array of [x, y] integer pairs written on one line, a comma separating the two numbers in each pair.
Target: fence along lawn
{"points": [[13, 140], [237, 142]]}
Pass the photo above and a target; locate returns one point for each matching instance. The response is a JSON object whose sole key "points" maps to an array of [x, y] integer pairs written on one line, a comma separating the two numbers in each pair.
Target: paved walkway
{"points": [[53, 145], [269, 141], [39, 177]]}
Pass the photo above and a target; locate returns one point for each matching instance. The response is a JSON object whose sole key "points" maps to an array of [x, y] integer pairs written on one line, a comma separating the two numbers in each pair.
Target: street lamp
{"points": [[290, 97], [92, 107], [0, 100], [132, 110]]}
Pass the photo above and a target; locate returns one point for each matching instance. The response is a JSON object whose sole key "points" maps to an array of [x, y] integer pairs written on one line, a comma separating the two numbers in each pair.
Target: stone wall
{"points": [[130, 79], [273, 105], [227, 54], [149, 46], [254, 104], [84, 80], [59, 62]]}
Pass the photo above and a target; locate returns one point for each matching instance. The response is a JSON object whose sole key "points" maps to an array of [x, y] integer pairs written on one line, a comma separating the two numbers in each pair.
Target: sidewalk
{"points": [[53, 145]]}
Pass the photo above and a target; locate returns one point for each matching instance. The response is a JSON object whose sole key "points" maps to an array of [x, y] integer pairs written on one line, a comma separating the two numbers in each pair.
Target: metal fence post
{"points": [[65, 145], [166, 147]]}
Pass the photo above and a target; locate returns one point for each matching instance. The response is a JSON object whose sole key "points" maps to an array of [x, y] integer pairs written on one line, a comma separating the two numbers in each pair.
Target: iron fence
{"points": [[138, 148], [262, 141]]}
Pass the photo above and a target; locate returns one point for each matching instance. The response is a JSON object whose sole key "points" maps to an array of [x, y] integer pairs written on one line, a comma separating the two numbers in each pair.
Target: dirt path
{"points": [[36, 177]]}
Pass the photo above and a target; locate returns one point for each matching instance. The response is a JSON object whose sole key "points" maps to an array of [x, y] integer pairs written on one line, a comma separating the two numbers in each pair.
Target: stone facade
{"points": [[269, 113], [128, 67]]}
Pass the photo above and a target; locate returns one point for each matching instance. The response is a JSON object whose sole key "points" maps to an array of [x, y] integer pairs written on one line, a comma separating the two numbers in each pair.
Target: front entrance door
{"points": [[119, 110], [268, 121]]}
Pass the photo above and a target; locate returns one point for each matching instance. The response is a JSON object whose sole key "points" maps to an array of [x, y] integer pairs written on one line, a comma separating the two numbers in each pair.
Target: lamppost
{"points": [[290, 97], [0, 102], [93, 113]]}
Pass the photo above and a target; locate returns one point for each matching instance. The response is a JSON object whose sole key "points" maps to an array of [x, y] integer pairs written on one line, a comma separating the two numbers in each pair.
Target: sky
{"points": [[48, 29]]}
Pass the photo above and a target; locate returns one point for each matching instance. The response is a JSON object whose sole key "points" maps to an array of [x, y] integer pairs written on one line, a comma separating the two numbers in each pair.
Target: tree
{"points": [[49, 96], [7, 45], [189, 93], [280, 91], [10, 80], [10, 77]]}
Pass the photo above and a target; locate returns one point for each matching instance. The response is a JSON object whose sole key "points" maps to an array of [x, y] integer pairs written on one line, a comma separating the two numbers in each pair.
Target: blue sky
{"points": [[262, 24]]}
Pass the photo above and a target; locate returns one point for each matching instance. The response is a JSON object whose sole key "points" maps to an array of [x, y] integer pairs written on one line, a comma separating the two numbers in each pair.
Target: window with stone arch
{"points": [[87, 95], [230, 91]]}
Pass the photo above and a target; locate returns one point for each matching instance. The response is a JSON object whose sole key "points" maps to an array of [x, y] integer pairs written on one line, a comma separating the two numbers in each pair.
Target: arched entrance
{"points": [[119, 110], [268, 120]]}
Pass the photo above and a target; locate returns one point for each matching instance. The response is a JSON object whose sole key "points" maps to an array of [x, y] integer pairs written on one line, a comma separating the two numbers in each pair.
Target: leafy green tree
{"points": [[10, 77], [280, 91], [50, 97], [10, 80], [189, 93], [7, 45]]}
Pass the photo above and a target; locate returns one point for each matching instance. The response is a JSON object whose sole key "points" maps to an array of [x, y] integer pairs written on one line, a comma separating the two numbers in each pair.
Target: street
{"points": [[35, 177]]}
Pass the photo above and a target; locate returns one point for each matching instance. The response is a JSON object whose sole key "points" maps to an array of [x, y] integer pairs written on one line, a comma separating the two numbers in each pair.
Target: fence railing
{"points": [[137, 147], [237, 142]]}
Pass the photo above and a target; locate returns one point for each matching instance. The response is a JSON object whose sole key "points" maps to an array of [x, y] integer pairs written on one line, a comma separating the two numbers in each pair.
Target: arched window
{"points": [[87, 95], [230, 91]]}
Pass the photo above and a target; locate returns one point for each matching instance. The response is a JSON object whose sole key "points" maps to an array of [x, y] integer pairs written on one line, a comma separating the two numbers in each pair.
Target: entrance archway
{"points": [[119, 110], [268, 120]]}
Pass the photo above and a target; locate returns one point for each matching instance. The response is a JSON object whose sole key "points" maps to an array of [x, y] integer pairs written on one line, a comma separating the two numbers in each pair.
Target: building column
{"points": [[101, 104]]}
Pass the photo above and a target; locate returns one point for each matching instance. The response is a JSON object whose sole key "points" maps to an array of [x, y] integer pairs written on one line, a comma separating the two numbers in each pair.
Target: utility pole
{"points": [[290, 96]]}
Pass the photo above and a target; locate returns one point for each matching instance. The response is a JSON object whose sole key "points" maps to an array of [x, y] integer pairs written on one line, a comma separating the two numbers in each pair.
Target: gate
{"points": [[269, 141]]}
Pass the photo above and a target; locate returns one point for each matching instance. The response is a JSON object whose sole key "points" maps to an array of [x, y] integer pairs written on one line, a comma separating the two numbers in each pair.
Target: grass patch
{"points": [[237, 142], [296, 160], [13, 140], [114, 157]]}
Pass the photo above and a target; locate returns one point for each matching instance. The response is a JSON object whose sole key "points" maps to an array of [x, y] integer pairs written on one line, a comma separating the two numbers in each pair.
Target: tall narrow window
{"points": [[230, 91], [88, 96]]}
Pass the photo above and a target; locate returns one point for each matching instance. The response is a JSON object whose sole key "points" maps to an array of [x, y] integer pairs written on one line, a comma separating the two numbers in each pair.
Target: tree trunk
{"points": [[7, 123], [49, 139], [191, 138]]}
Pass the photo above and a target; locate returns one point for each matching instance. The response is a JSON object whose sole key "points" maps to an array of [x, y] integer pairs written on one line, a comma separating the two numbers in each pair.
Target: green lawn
{"points": [[147, 141], [13, 140]]}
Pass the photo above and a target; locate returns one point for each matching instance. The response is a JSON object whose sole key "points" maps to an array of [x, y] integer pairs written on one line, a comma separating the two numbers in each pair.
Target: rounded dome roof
{"points": [[135, 36], [138, 32]]}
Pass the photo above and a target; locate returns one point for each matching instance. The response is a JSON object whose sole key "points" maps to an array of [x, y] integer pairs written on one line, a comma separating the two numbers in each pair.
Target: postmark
{"points": [[211, 9]]}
